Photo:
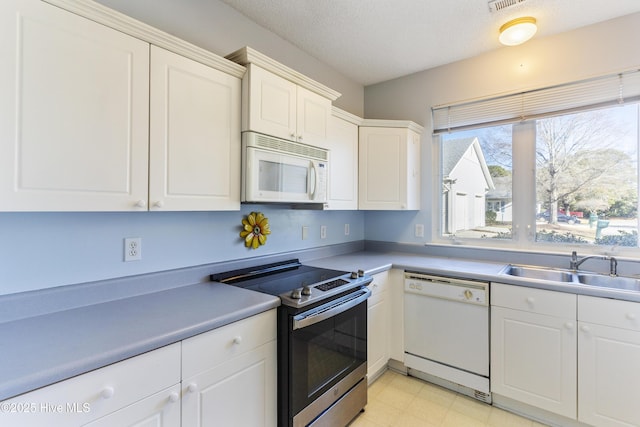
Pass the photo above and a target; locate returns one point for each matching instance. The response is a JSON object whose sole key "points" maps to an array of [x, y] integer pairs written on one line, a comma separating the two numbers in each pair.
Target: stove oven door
{"points": [[327, 354]]}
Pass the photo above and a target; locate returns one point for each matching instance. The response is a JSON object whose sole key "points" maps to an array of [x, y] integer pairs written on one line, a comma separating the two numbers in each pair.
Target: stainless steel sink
{"points": [[617, 282], [541, 273]]}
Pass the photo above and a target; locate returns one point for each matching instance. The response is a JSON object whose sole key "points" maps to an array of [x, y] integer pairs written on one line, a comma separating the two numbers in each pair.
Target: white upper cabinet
{"points": [[75, 127], [194, 161], [73, 112], [281, 102], [269, 103], [389, 165], [342, 143], [277, 107]]}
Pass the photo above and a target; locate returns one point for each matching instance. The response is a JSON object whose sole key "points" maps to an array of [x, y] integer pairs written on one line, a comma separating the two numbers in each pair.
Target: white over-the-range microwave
{"points": [[282, 171]]}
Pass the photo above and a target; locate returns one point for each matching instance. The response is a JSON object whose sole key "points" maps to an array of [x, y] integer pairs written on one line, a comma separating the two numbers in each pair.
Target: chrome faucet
{"points": [[613, 267], [575, 262]]}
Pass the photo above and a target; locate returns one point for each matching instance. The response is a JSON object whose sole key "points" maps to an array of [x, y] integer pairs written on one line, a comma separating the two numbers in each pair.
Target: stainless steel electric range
{"points": [[322, 339]]}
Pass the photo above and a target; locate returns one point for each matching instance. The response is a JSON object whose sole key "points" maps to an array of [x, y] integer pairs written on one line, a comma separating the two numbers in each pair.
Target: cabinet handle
{"points": [[531, 300], [192, 388], [569, 325], [107, 393], [292, 135], [237, 340], [585, 328], [173, 397], [141, 204], [631, 316], [299, 137], [159, 204]]}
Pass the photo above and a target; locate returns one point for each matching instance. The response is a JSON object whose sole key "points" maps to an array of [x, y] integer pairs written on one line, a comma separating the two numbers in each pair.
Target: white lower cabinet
{"points": [[608, 362], [534, 347], [136, 391], [228, 379], [378, 325], [229, 375]]}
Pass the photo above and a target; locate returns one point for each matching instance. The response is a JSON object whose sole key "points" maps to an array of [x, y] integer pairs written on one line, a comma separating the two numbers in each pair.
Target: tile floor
{"points": [[396, 400]]}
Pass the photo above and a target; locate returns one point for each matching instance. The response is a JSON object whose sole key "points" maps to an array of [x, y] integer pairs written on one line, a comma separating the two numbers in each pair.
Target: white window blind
{"points": [[555, 100]]}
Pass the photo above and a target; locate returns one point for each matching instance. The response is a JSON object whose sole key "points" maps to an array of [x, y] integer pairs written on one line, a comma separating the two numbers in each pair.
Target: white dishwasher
{"points": [[446, 338]]}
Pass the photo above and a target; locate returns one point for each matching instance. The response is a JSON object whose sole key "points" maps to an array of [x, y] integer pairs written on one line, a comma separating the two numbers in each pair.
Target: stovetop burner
{"points": [[297, 285]]}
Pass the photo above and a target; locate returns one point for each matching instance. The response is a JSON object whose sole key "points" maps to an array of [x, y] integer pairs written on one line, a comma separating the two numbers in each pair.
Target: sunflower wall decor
{"points": [[255, 228]]}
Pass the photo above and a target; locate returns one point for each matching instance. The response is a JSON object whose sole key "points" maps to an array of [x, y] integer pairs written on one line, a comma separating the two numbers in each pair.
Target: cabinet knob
{"points": [[292, 135], [299, 137], [631, 316], [569, 325], [107, 393], [192, 388], [531, 300], [173, 397], [159, 204], [237, 340], [141, 204], [585, 328]]}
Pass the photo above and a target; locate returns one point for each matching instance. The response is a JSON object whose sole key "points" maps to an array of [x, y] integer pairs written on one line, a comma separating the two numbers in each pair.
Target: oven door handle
{"points": [[330, 309]]}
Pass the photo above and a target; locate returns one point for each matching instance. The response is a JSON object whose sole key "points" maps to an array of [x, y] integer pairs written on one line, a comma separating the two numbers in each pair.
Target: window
{"points": [[553, 166], [476, 183], [587, 177]]}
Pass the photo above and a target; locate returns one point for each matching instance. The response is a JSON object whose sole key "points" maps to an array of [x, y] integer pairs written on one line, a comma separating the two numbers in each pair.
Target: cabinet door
{"points": [[608, 375], [384, 171], [240, 392], [160, 410], [194, 136], [73, 112], [342, 142], [378, 319], [313, 113], [271, 104], [533, 359]]}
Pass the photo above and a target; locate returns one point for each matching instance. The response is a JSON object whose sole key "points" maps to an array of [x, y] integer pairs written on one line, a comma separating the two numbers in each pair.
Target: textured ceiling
{"points": [[371, 41]]}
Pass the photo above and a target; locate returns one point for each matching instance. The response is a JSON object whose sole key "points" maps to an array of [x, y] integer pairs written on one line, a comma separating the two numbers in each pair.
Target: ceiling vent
{"points": [[498, 5]]}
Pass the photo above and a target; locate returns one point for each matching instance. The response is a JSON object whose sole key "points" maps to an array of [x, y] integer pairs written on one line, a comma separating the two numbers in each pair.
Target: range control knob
{"points": [[360, 273], [468, 294], [306, 291], [354, 275], [296, 294]]}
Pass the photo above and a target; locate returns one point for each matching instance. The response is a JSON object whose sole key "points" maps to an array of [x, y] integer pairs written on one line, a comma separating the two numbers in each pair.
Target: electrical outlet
{"points": [[305, 232], [323, 231], [346, 229], [419, 230], [132, 249]]}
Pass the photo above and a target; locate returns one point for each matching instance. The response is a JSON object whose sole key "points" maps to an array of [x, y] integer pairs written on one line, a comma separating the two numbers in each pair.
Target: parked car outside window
{"points": [[569, 219]]}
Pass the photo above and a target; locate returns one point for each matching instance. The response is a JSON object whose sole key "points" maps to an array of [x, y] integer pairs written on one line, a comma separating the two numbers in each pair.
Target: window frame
{"points": [[523, 200]]}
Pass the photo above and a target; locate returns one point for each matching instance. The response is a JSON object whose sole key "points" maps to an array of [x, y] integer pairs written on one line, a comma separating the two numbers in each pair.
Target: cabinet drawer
{"points": [[609, 312], [161, 409], [533, 300], [209, 349], [87, 397], [380, 283]]}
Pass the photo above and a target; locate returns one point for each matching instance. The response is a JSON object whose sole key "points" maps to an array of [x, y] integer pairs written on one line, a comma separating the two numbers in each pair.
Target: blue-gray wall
{"points": [[43, 250]]}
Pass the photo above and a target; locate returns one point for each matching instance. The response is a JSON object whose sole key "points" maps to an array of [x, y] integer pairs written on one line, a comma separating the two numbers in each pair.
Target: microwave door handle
{"points": [[314, 177]]}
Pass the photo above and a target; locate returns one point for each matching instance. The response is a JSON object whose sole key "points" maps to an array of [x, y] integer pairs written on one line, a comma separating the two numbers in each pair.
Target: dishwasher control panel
{"points": [[461, 290]]}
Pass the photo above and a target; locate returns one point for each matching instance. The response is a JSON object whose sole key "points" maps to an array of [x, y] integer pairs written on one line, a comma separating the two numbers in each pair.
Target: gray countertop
{"points": [[375, 262], [40, 350]]}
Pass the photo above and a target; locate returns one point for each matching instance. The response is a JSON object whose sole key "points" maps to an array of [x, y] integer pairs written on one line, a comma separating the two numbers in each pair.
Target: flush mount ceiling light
{"points": [[518, 31]]}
